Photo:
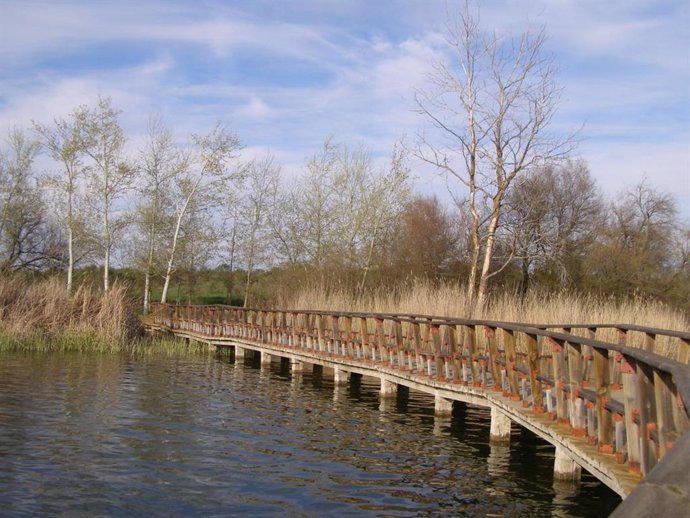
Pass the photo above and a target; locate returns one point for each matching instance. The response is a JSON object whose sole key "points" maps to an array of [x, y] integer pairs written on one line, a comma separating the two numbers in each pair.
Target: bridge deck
{"points": [[614, 410]]}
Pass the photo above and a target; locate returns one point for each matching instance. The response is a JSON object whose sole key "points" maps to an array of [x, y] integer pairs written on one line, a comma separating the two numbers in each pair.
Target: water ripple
{"points": [[103, 435]]}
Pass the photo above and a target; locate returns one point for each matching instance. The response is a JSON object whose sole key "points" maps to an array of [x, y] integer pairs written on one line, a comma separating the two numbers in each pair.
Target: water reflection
{"points": [[110, 435]]}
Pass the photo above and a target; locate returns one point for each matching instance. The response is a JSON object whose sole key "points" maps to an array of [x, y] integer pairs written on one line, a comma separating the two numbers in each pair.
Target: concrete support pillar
{"points": [[239, 352], [388, 388], [340, 377], [265, 359], [296, 365], [442, 406], [565, 468], [500, 427]]}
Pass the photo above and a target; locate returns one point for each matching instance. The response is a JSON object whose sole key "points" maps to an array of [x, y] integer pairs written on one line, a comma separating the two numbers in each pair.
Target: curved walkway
{"points": [[619, 412]]}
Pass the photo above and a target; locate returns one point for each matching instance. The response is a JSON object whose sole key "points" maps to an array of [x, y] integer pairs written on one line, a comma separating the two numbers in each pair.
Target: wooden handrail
{"points": [[632, 403]]}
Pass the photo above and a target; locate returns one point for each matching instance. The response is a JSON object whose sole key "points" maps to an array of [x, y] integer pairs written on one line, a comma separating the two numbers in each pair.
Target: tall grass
{"points": [[450, 300], [42, 315]]}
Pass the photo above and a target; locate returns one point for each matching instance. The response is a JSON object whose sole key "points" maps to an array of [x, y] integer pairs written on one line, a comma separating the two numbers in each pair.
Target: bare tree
{"points": [[641, 248], [383, 202], [27, 240], [161, 164], [262, 179], [553, 214], [64, 144], [203, 185], [110, 176], [491, 102]]}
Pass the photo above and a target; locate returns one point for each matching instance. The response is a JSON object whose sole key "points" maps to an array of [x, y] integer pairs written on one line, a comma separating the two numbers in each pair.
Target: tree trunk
{"points": [[171, 257], [524, 282], [147, 292], [149, 261], [178, 225], [70, 250], [368, 264], [488, 255]]}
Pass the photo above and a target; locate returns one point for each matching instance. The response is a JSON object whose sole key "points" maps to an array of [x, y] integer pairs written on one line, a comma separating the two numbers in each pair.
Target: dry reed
{"points": [[42, 315], [450, 300]]}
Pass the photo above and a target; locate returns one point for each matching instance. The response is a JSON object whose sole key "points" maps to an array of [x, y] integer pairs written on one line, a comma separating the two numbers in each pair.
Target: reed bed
{"points": [[41, 315], [450, 300]]}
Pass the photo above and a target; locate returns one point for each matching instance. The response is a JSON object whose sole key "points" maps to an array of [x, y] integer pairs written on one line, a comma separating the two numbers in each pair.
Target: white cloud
{"points": [[256, 108], [358, 80]]}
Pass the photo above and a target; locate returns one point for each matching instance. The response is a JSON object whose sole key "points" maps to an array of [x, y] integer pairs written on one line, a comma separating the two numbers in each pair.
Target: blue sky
{"points": [[285, 74]]}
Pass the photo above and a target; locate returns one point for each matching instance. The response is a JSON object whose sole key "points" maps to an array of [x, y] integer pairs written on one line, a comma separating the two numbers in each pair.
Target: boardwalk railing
{"points": [[629, 403]]}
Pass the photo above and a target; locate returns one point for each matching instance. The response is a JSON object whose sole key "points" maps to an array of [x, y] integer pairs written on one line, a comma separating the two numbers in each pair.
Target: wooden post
{"points": [[335, 336], [632, 405], [577, 405], [438, 361], [349, 342], [455, 353], [533, 366], [417, 345], [397, 325], [364, 336], [601, 386], [647, 409], [664, 416], [380, 342], [471, 343], [509, 347], [560, 376], [320, 333], [684, 350], [490, 334]]}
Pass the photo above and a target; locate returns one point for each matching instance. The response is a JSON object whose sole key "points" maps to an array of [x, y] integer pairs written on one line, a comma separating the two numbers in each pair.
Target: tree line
{"points": [[523, 213]]}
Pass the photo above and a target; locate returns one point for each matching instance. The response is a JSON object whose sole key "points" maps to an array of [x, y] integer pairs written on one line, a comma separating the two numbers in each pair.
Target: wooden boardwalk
{"points": [[620, 412]]}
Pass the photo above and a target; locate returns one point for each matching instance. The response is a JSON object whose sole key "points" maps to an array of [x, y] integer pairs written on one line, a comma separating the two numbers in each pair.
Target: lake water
{"points": [[198, 435]]}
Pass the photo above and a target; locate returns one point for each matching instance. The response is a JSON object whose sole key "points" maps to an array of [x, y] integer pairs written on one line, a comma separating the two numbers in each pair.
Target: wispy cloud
{"points": [[288, 74]]}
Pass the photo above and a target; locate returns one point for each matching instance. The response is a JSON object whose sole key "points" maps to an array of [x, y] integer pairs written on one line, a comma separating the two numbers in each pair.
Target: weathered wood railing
{"points": [[631, 403]]}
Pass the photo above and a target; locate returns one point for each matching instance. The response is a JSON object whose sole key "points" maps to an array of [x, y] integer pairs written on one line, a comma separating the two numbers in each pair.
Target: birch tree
{"points": [[262, 180], [161, 164], [63, 141], [383, 203], [490, 104], [110, 176], [202, 184]]}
